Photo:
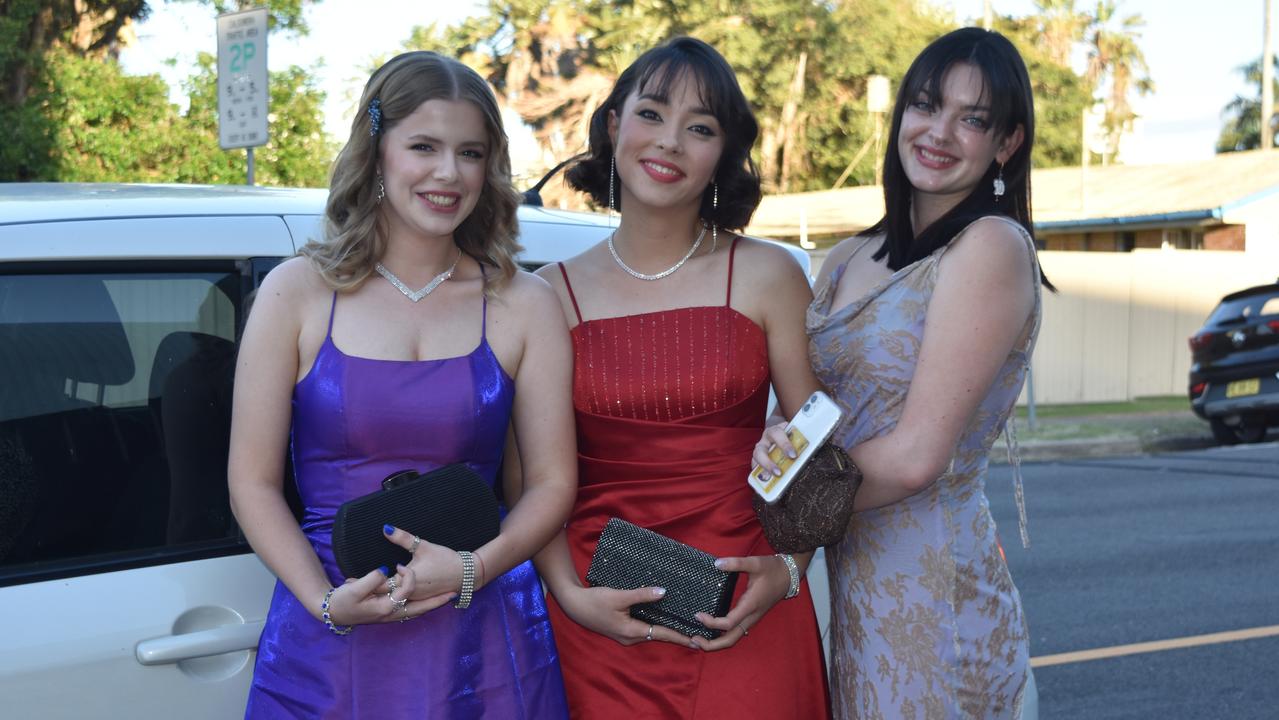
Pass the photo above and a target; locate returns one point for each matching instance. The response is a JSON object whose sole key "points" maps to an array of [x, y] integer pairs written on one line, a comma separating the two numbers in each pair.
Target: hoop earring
{"points": [[612, 170], [381, 189], [999, 184]]}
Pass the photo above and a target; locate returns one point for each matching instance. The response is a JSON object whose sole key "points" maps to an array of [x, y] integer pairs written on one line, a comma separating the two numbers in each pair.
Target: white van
{"points": [[126, 588]]}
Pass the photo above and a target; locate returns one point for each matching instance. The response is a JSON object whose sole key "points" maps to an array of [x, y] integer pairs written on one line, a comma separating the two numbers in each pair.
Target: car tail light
{"points": [[1273, 325], [1197, 389], [1200, 341]]}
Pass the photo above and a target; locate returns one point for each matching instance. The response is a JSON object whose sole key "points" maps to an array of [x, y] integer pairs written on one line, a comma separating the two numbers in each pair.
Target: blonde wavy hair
{"points": [[355, 231]]}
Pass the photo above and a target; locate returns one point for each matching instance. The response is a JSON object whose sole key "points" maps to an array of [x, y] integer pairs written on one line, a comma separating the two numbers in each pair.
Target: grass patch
{"points": [[1162, 404]]}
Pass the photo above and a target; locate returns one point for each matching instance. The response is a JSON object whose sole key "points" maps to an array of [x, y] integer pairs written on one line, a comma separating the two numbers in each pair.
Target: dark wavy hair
{"points": [[355, 232], [656, 72], [1008, 93]]}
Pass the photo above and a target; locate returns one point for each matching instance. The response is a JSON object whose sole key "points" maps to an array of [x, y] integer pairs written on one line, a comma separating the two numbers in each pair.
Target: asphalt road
{"points": [[1135, 550]]}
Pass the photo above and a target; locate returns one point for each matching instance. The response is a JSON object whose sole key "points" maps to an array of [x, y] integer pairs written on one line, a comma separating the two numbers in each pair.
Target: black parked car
{"points": [[1234, 371]]}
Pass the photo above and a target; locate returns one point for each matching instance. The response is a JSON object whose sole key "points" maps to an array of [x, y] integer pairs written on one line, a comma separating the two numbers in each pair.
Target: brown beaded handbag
{"points": [[816, 507]]}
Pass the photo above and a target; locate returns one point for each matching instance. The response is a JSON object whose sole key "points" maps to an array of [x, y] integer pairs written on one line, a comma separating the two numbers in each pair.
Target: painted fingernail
{"points": [[385, 570], [388, 530], [791, 454], [719, 564], [659, 592], [777, 471]]}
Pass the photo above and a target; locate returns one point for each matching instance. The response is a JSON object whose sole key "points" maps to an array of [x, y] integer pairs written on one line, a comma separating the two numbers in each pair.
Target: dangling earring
{"points": [[715, 221], [381, 189], [612, 170], [999, 184]]}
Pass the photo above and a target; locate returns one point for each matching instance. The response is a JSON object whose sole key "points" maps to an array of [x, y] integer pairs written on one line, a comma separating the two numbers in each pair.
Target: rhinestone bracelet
{"points": [[793, 569], [468, 580], [328, 620]]}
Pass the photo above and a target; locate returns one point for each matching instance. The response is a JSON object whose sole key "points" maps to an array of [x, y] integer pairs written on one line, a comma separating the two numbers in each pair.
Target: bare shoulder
{"points": [[842, 252], [529, 296], [290, 286], [551, 274], [991, 245], [765, 264]]}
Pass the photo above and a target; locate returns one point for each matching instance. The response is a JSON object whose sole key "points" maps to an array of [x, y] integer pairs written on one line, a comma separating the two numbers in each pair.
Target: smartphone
{"points": [[810, 427]]}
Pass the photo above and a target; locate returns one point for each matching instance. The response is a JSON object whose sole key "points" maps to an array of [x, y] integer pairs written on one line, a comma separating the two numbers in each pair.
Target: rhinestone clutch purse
{"points": [[451, 506], [629, 557]]}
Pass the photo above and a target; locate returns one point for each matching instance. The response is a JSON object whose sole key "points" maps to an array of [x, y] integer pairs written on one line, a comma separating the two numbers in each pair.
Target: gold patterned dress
{"points": [[925, 620]]}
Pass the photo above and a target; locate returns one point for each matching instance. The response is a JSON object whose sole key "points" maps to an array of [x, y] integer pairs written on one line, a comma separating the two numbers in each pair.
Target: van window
{"points": [[115, 407]]}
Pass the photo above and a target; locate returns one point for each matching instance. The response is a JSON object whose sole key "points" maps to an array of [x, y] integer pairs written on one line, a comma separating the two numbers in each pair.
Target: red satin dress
{"points": [[669, 405]]}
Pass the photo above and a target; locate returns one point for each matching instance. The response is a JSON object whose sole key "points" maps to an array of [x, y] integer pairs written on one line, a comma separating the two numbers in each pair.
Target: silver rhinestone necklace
{"points": [[416, 295], [656, 276]]}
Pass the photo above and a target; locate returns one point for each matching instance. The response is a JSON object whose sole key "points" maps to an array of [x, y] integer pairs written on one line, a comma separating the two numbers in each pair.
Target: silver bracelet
{"points": [[328, 620], [793, 569], [468, 580]]}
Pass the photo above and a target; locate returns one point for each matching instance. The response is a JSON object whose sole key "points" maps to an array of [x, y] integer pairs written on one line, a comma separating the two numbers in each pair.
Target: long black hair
{"points": [[656, 72], [1007, 92]]}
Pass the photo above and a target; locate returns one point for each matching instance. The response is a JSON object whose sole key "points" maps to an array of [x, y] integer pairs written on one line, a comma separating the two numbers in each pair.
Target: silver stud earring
{"points": [[381, 189], [999, 184]]}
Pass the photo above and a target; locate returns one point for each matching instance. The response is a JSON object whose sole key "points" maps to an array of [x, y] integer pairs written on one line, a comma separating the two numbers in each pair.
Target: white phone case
{"points": [[810, 427]]}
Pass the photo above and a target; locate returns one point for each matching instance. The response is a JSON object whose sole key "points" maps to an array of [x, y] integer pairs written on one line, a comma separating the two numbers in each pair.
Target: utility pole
{"points": [[988, 16], [1268, 77]]}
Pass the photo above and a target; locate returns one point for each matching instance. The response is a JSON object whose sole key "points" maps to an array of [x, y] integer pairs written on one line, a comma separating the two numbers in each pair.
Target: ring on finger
{"points": [[745, 632], [416, 541], [649, 635], [392, 584]]}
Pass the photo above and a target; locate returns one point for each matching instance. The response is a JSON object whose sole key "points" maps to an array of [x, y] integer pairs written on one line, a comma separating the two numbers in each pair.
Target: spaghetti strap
{"points": [[332, 311], [484, 306], [569, 286], [732, 250]]}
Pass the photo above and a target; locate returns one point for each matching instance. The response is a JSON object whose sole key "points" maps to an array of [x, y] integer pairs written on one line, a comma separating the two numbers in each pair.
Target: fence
{"points": [[1117, 327]]}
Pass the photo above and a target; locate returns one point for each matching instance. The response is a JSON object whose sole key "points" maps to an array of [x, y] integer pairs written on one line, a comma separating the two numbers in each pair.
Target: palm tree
{"points": [[1242, 129], [1061, 26], [1116, 63]]}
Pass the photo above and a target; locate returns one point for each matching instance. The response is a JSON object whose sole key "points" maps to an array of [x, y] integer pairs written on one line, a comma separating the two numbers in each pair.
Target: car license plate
{"points": [[1243, 388]]}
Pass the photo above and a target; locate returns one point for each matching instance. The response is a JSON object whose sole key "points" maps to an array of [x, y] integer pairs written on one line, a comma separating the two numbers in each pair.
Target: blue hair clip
{"points": [[375, 117]]}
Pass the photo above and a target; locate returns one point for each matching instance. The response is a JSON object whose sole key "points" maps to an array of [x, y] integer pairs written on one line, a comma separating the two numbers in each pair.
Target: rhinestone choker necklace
{"points": [[656, 276], [416, 295]]}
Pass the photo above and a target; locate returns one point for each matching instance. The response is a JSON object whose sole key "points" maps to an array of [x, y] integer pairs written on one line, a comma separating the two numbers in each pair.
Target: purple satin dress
{"points": [[356, 421]]}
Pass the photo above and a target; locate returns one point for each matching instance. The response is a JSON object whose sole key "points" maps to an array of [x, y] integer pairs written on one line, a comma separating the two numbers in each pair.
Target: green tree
{"points": [[1116, 68], [803, 65], [72, 114], [1060, 95], [1242, 128], [297, 154]]}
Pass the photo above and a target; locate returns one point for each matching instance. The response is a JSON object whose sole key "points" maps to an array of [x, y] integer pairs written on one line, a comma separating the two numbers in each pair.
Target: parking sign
{"points": [[242, 79]]}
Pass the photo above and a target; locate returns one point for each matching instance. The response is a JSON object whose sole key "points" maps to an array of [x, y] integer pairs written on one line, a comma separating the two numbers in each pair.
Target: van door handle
{"points": [[216, 641]]}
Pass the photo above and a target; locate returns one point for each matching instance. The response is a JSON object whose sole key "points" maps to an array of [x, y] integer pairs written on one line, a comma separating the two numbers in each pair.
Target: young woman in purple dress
{"points": [[359, 375]]}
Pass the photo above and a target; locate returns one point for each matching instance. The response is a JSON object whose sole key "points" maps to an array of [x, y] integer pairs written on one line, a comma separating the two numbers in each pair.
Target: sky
{"points": [[1194, 50]]}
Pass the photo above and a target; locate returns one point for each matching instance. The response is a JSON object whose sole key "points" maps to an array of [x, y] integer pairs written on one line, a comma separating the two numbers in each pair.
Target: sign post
{"points": [[242, 81]]}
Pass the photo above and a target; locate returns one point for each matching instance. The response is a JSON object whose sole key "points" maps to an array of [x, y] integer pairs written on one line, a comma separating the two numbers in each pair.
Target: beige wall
{"points": [[1118, 327]]}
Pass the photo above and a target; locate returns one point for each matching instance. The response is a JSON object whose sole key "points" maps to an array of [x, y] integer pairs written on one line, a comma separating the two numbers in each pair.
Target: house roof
{"points": [[1128, 195]]}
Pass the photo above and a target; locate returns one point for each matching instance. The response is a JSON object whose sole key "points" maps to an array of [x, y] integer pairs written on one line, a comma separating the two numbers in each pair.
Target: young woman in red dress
{"points": [[678, 327]]}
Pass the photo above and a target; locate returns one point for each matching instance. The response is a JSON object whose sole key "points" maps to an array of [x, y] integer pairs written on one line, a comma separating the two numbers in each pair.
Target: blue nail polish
{"points": [[385, 570], [388, 530]]}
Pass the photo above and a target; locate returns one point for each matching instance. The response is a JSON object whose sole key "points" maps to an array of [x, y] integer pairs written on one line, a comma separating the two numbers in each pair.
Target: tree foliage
{"points": [[804, 66], [1242, 128], [73, 115]]}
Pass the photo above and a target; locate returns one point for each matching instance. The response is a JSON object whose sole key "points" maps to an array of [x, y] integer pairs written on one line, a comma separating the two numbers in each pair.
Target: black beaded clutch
{"points": [[629, 557], [451, 506]]}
